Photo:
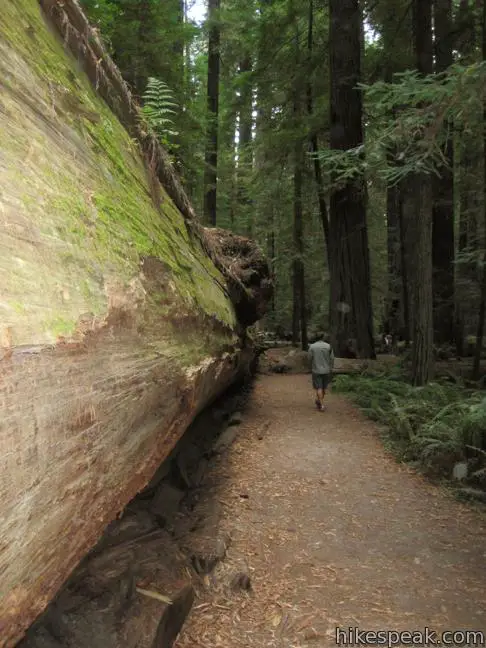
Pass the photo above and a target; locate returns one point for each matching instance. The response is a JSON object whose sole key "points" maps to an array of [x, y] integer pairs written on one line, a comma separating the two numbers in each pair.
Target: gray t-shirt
{"points": [[321, 357]]}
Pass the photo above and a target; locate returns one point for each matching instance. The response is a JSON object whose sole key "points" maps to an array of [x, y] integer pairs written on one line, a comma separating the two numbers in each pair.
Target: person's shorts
{"points": [[321, 381]]}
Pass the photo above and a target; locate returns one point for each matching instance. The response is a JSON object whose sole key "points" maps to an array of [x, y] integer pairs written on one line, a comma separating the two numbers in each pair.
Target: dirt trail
{"points": [[332, 532]]}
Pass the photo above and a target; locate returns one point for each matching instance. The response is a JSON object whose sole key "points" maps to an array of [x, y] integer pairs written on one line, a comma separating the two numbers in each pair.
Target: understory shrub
{"points": [[435, 426]]}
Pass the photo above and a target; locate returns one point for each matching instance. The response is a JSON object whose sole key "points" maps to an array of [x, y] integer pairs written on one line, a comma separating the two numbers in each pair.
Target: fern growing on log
{"points": [[158, 105]]}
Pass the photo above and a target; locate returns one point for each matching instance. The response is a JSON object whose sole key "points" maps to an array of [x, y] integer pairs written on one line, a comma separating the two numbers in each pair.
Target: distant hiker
{"points": [[321, 360]]}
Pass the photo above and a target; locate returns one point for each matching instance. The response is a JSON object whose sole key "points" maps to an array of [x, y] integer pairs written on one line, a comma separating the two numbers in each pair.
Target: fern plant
{"points": [[158, 105]]}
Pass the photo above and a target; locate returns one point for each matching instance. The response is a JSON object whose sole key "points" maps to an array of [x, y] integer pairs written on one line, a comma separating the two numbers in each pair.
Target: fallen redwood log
{"points": [[116, 326]]}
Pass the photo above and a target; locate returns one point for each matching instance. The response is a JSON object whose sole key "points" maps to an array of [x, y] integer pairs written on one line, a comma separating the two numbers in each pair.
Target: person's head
{"points": [[322, 336]]}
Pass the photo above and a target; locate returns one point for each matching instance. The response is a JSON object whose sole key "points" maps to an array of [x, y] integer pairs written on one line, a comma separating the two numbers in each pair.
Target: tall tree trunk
{"points": [[470, 199], [405, 292], [350, 307], [139, 78], [299, 314], [321, 195], [245, 155], [393, 323], [211, 155], [482, 304], [227, 206], [443, 193], [396, 305], [420, 223]]}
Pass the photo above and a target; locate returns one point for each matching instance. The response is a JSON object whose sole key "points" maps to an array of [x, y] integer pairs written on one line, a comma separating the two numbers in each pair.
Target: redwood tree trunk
{"points": [[299, 315], [443, 191], [420, 225], [394, 308], [350, 307], [482, 304], [211, 155], [245, 156], [321, 196], [470, 177]]}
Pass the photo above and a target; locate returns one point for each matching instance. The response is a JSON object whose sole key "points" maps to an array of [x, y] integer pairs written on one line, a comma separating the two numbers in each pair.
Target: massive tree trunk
{"points": [[443, 193], [116, 326], [211, 155], [419, 223], [482, 302], [350, 307], [469, 158]]}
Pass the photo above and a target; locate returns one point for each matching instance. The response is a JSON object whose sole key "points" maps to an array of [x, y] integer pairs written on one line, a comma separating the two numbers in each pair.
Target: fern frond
{"points": [[158, 105]]}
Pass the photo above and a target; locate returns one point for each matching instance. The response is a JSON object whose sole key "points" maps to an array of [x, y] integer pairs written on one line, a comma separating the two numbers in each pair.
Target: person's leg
{"points": [[316, 383], [324, 384]]}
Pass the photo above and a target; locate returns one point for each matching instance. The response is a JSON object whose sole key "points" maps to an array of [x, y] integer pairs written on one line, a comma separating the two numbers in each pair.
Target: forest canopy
{"points": [[346, 137]]}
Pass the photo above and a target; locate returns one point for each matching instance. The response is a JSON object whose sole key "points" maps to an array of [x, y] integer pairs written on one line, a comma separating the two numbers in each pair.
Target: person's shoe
{"points": [[318, 404]]}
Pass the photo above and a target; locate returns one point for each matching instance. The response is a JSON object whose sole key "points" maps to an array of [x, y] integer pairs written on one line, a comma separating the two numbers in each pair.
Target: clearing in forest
{"points": [[332, 532]]}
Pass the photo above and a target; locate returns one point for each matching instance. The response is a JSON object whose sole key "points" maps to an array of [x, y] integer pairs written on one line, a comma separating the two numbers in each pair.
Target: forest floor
{"points": [[332, 532]]}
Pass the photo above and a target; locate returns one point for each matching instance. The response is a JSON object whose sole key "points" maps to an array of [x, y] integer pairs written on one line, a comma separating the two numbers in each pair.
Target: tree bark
{"points": [[92, 403], [482, 304], [470, 200], [321, 196], [443, 190], [396, 307], [405, 292], [393, 323], [420, 225], [211, 155], [245, 155], [299, 315], [350, 307]]}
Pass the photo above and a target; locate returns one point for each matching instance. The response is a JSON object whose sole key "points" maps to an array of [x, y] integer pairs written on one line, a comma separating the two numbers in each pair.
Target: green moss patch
{"points": [[78, 199]]}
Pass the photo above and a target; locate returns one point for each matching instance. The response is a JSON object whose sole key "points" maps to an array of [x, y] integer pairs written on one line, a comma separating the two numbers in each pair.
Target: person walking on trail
{"points": [[321, 360]]}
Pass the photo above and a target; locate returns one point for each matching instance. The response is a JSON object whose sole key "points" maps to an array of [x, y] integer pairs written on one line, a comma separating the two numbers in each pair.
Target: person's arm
{"points": [[331, 359], [309, 358]]}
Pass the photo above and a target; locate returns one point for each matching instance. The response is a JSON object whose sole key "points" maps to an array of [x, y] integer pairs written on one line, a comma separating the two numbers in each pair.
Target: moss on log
{"points": [[116, 326]]}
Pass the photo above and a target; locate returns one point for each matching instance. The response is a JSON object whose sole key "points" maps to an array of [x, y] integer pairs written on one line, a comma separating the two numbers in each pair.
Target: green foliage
{"points": [[158, 105], [104, 14], [409, 121], [435, 425]]}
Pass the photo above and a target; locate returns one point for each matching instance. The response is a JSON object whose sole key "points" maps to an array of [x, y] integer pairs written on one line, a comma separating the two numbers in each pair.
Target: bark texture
{"points": [[314, 142], [350, 307], [443, 194], [117, 327], [419, 225], [482, 303]]}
